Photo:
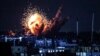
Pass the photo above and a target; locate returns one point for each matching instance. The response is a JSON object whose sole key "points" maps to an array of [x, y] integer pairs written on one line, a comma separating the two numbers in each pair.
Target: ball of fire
{"points": [[37, 24]]}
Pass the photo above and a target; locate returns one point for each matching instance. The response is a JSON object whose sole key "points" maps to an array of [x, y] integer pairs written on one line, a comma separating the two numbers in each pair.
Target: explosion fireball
{"points": [[37, 24]]}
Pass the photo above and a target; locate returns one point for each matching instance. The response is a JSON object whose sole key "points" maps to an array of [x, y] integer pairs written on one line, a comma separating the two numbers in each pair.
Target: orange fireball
{"points": [[38, 24], [35, 23]]}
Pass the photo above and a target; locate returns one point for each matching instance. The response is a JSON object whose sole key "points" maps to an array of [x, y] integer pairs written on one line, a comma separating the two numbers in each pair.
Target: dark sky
{"points": [[11, 13]]}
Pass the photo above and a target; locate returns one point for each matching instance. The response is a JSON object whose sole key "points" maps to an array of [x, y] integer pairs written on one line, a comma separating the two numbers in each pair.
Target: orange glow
{"points": [[35, 23], [11, 33]]}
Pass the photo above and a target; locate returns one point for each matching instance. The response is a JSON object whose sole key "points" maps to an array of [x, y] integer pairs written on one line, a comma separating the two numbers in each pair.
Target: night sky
{"points": [[11, 13]]}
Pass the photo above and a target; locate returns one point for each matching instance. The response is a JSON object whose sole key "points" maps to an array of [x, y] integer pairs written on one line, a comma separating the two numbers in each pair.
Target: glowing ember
{"points": [[12, 33]]}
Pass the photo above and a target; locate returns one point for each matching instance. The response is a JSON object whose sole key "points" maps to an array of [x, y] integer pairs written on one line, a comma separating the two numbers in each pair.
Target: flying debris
{"points": [[37, 24]]}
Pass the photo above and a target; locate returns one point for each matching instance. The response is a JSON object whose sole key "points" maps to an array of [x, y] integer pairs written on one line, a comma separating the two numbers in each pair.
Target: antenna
{"points": [[77, 26], [92, 27]]}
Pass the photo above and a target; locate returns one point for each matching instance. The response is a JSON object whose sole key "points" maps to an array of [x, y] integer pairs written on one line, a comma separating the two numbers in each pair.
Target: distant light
{"points": [[77, 54], [22, 54], [56, 50], [84, 54], [5, 39], [40, 51], [60, 50], [49, 51], [20, 38], [53, 51], [32, 55], [81, 53], [60, 47]]}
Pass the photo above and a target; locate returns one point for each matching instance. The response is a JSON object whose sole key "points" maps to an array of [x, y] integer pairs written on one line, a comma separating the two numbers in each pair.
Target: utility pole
{"points": [[92, 33], [92, 28], [77, 26]]}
